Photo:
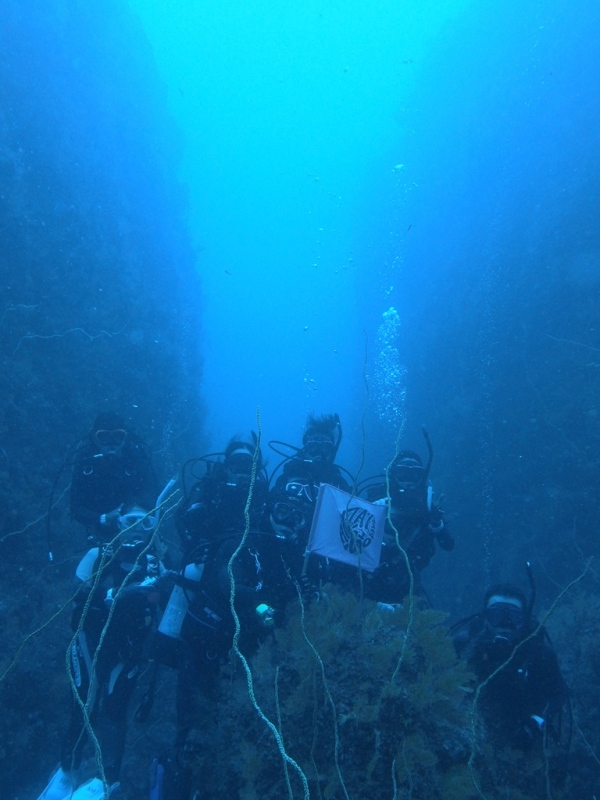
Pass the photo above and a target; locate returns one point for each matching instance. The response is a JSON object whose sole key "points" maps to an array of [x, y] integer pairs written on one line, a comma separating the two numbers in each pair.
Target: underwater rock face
{"points": [[97, 302]]}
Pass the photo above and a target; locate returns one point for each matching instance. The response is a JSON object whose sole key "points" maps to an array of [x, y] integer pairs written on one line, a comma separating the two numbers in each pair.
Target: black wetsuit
{"points": [[529, 688], [211, 524], [118, 659], [103, 481]]}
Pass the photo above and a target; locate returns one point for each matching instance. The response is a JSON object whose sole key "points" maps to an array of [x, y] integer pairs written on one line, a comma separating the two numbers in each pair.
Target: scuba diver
{"points": [[293, 498], [112, 616], [289, 514], [216, 501], [523, 705], [416, 519], [301, 516], [112, 467], [196, 631], [413, 511], [316, 458]]}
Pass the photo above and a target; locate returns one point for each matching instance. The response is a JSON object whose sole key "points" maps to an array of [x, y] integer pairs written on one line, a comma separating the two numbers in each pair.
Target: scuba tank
{"points": [[429, 497], [157, 776], [179, 601]]}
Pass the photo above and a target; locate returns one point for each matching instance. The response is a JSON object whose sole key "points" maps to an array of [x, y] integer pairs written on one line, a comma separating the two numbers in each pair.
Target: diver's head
{"points": [[506, 614], [300, 487], [407, 476], [136, 526], [292, 508], [406, 470], [321, 438], [239, 457], [109, 433]]}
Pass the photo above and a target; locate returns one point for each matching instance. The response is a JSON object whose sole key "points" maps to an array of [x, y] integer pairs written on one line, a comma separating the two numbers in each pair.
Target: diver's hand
{"points": [[533, 729], [133, 591], [266, 615], [310, 593], [537, 724], [439, 530], [389, 608], [436, 520], [111, 519]]}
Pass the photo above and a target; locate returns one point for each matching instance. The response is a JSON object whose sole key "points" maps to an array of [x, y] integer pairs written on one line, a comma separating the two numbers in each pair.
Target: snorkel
{"points": [[336, 447], [430, 450]]}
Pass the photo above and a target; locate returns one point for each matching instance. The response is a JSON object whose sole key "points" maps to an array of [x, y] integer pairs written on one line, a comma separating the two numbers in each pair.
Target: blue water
{"points": [[342, 160], [294, 123], [347, 165]]}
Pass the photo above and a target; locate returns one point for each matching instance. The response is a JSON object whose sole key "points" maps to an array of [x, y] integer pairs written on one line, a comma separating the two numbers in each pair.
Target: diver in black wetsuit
{"points": [[415, 522], [112, 617], [316, 458], [526, 703], [292, 500], [112, 468], [216, 501], [198, 619]]}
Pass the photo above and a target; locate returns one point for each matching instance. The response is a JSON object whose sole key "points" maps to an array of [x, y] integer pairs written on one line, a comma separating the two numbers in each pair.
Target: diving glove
{"points": [[111, 518]]}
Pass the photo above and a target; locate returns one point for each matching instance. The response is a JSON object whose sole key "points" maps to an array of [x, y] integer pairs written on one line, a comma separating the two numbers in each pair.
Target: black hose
{"points": [[66, 462], [531, 579]]}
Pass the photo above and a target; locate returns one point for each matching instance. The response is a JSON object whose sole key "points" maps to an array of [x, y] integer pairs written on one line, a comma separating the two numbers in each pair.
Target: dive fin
{"points": [[60, 786], [93, 789]]}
